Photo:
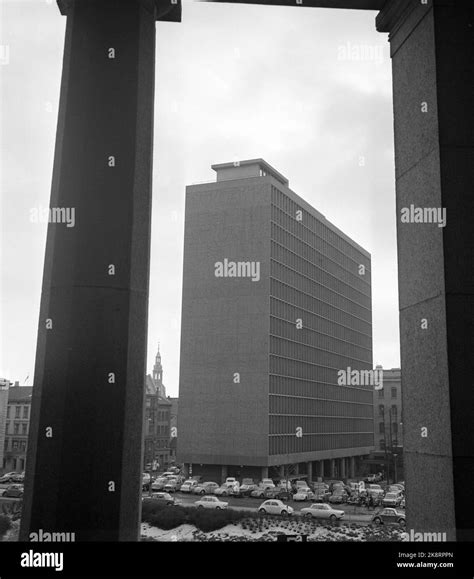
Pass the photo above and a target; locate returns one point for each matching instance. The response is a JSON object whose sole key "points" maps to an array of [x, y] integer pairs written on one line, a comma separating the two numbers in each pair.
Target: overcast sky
{"points": [[307, 89]]}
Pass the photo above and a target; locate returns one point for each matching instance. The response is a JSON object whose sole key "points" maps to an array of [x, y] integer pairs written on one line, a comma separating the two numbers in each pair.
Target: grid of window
{"points": [[333, 284], [282, 444], [281, 309], [317, 345], [315, 278], [285, 385], [317, 290], [288, 424], [347, 272], [306, 406], [287, 292], [314, 232]]}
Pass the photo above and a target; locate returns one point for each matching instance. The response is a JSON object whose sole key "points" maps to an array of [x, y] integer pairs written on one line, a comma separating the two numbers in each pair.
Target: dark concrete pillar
{"points": [[352, 467], [223, 473], [342, 468], [85, 445], [321, 469], [432, 50], [309, 471], [332, 467]]}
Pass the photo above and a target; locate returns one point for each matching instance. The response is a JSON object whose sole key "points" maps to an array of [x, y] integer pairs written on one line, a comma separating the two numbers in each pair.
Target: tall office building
{"points": [[276, 301]]}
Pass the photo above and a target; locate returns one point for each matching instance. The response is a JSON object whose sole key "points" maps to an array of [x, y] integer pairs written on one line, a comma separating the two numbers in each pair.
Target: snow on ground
{"points": [[12, 534], [254, 532]]}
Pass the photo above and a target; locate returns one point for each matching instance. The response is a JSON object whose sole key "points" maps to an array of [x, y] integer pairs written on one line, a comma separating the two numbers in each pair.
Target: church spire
{"points": [[158, 369]]}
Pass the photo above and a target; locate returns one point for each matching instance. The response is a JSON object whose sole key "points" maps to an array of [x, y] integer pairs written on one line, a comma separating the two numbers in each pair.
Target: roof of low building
{"points": [[20, 394]]}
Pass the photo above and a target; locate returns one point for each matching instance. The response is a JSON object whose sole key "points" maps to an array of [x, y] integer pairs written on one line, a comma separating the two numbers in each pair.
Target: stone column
{"points": [[342, 468], [223, 473], [264, 472], [332, 467], [309, 471], [433, 75], [352, 467], [85, 444], [281, 471], [321, 469]]}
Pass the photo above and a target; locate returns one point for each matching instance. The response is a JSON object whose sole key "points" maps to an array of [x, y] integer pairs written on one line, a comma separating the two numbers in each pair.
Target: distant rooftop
{"points": [[20, 394], [246, 169]]}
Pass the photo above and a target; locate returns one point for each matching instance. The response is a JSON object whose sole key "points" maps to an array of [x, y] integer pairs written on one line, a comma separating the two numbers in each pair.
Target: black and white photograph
{"points": [[237, 289]]}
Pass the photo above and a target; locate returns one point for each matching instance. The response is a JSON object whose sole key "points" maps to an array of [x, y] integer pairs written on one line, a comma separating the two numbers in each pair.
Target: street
{"points": [[353, 514]]}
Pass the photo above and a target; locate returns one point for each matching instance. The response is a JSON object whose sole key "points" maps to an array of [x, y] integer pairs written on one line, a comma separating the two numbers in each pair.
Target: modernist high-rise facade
{"points": [[276, 301]]}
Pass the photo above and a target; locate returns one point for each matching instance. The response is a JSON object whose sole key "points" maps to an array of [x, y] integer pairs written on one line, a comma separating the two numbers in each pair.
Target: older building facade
{"points": [[17, 428], [388, 427], [4, 386], [157, 419], [276, 301]]}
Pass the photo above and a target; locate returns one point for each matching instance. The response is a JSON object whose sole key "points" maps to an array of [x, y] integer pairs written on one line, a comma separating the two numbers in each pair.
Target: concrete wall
{"points": [[433, 68]]}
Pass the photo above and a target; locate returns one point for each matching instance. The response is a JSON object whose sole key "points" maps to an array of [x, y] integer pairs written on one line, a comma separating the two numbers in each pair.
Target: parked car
{"points": [[7, 477], [258, 493], [320, 511], [168, 474], [338, 496], [321, 496], [402, 503], [146, 480], [389, 515], [223, 491], [159, 484], [18, 477], [392, 499], [373, 489], [205, 488], [275, 507], [172, 485], [320, 486], [230, 481], [165, 498], [304, 495], [211, 502], [246, 488], [374, 478], [278, 493], [188, 485], [267, 483], [334, 484], [302, 485], [13, 491], [396, 487], [285, 484], [321, 492]]}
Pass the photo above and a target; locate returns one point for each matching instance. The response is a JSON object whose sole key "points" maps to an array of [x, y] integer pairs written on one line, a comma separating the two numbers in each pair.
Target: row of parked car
{"points": [[15, 481], [336, 492], [278, 507], [13, 477]]}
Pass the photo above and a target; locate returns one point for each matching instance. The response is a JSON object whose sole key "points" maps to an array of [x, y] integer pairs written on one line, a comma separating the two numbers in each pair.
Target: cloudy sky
{"points": [[308, 90]]}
